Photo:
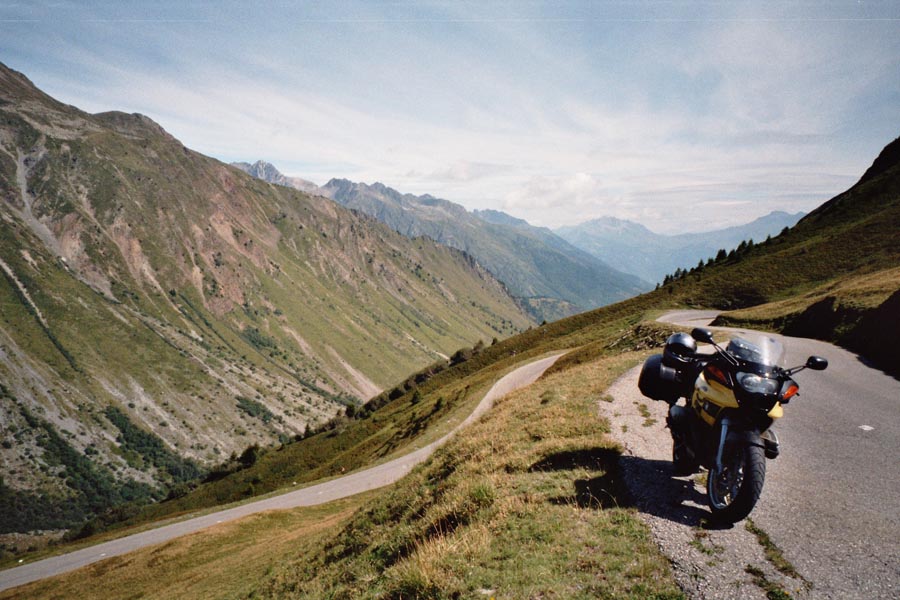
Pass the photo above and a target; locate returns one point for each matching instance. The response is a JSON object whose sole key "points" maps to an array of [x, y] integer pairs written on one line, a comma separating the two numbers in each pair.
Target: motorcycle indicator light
{"points": [[717, 374], [791, 391]]}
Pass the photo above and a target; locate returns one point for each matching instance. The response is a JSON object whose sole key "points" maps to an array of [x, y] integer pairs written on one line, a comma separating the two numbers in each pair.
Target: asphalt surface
{"points": [[342, 487], [831, 500]]}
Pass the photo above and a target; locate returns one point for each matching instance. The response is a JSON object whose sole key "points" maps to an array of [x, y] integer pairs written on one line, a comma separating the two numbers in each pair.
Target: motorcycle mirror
{"points": [[816, 363], [702, 334]]}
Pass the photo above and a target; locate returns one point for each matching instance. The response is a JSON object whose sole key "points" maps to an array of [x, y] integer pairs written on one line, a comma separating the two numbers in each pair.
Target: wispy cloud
{"points": [[665, 113]]}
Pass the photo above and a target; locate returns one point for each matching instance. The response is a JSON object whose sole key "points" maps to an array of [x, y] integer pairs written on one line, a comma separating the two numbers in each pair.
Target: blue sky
{"points": [[682, 116]]}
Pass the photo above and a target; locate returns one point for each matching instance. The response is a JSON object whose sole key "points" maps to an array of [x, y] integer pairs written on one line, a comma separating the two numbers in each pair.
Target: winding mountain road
{"points": [[341, 487], [831, 501]]}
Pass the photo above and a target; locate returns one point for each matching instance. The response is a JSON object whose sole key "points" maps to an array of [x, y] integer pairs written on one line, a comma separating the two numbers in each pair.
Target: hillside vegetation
{"points": [[412, 413], [154, 300], [549, 276], [751, 274], [527, 502]]}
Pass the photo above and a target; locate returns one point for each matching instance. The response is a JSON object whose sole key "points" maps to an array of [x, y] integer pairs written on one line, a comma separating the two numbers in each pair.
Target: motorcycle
{"points": [[732, 398]]}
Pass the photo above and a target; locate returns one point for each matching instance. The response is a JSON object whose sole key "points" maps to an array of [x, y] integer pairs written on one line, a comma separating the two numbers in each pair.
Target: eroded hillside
{"points": [[159, 306]]}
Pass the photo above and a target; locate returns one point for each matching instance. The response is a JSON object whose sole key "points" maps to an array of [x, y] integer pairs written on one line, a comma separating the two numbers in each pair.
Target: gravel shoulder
{"points": [[708, 563]]}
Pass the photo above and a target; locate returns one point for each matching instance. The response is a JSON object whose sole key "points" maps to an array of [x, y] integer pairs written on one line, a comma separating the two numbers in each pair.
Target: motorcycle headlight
{"points": [[756, 384]]}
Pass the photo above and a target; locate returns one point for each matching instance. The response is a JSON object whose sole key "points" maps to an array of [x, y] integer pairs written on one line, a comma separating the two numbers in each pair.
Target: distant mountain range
{"points": [[547, 270], [548, 275], [632, 248], [160, 307]]}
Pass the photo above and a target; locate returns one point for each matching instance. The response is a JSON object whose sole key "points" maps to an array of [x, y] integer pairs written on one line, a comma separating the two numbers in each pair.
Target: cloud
{"points": [[463, 171], [556, 113]]}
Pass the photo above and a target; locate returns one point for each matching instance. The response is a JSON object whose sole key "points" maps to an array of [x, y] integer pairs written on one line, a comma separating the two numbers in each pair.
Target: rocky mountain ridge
{"points": [[158, 306], [552, 278]]}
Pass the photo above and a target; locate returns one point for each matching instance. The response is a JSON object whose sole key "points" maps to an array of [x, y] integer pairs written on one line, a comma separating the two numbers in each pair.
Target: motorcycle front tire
{"points": [[733, 493]]}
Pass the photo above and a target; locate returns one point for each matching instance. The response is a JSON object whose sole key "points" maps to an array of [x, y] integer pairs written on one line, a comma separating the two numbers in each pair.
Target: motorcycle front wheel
{"points": [[733, 492]]}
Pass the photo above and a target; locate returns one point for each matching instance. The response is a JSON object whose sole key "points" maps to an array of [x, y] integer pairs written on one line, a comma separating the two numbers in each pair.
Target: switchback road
{"points": [[342, 487]]}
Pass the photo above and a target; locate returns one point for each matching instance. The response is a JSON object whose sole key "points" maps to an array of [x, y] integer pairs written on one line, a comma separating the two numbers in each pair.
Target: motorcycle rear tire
{"points": [[733, 493]]}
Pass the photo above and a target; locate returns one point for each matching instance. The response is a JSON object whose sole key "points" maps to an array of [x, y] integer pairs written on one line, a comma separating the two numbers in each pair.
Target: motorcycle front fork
{"points": [[723, 434]]}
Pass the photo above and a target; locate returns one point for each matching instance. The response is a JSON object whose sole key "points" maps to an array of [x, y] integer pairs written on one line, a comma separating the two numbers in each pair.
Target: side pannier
{"points": [[659, 382]]}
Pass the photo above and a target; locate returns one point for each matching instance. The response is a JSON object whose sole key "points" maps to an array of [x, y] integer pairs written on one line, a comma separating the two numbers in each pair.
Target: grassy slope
{"points": [[852, 234], [526, 503], [191, 291]]}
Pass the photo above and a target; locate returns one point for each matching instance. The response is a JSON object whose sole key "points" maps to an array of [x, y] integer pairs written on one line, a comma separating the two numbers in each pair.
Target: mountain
{"points": [[160, 311], [549, 276], [514, 469], [852, 235], [267, 172], [552, 277], [632, 248], [546, 273]]}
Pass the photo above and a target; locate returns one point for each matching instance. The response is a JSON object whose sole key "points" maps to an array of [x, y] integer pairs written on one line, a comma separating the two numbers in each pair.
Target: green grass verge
{"points": [[527, 502]]}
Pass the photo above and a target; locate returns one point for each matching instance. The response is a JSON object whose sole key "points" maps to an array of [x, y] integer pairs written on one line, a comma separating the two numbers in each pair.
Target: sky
{"points": [[682, 116]]}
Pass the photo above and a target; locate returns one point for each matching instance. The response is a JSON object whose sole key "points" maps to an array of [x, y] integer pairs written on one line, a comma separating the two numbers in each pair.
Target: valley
{"points": [[178, 335], [162, 311]]}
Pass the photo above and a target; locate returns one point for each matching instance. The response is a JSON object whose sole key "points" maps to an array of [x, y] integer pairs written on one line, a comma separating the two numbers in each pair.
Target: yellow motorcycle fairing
{"points": [[710, 397]]}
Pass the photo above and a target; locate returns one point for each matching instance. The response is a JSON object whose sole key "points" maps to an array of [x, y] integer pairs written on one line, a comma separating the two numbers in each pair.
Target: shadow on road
{"points": [[629, 481], [606, 490], [654, 490]]}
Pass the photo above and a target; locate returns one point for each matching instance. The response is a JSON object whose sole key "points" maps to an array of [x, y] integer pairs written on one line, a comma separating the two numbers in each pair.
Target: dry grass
{"points": [[526, 503], [861, 292], [221, 562]]}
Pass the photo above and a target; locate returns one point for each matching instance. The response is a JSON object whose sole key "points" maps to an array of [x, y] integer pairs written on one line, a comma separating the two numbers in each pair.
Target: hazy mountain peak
{"points": [[268, 172], [610, 224], [499, 217], [632, 248]]}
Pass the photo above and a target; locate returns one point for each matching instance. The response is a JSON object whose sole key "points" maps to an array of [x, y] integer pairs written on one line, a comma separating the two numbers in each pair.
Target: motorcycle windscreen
{"points": [[757, 348]]}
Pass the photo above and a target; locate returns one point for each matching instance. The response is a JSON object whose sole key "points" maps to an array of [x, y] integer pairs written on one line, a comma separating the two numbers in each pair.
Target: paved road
{"points": [[348, 485], [831, 501]]}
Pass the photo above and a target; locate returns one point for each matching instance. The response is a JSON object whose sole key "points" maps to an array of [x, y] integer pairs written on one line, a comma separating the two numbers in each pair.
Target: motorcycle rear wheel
{"points": [[733, 492]]}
